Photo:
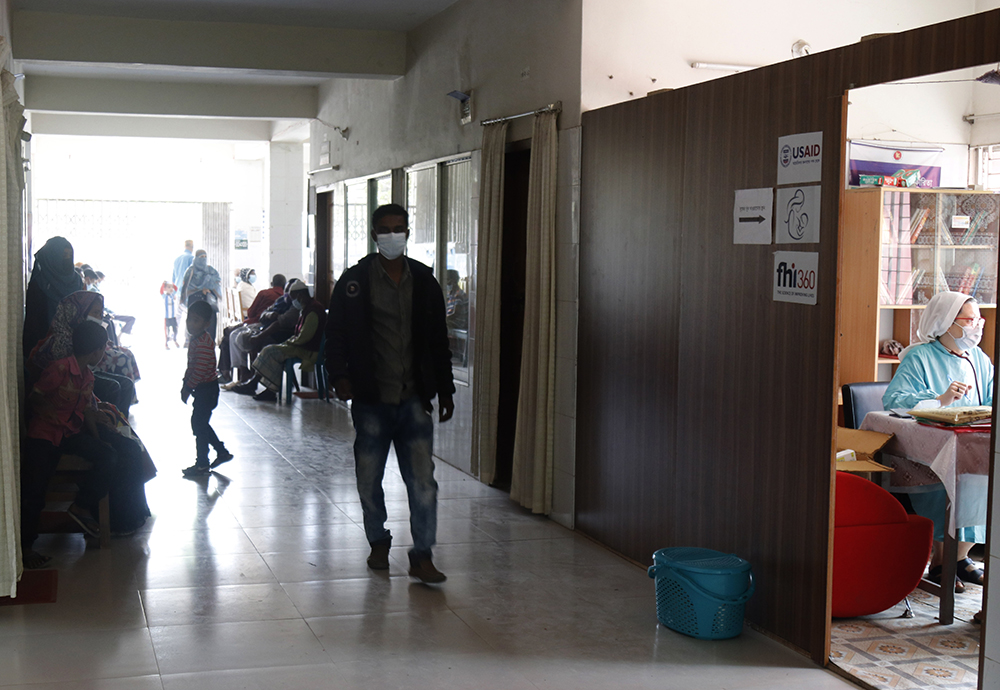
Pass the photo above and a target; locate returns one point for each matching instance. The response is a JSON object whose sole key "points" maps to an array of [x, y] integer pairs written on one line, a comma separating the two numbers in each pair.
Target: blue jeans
{"points": [[409, 428]]}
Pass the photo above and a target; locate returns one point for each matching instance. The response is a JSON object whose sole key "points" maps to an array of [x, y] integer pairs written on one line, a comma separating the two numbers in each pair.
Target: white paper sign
{"points": [[795, 277], [800, 158], [797, 215], [752, 216]]}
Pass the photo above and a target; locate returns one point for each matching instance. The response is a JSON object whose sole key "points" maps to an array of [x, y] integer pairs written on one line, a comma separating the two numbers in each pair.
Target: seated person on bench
{"points": [[269, 365], [63, 420], [276, 325], [232, 356]]}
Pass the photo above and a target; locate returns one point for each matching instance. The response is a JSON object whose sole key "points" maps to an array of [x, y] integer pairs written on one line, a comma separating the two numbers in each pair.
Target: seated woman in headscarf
{"points": [[115, 375], [53, 277], [127, 494], [945, 367], [202, 283], [247, 291]]}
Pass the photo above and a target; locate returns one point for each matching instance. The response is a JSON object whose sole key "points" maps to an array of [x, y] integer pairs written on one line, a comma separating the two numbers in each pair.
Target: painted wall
{"points": [[986, 108], [517, 56], [920, 112], [637, 41]]}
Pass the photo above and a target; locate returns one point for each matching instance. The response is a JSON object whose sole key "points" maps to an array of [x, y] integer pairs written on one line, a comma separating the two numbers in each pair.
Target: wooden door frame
{"points": [[324, 241]]}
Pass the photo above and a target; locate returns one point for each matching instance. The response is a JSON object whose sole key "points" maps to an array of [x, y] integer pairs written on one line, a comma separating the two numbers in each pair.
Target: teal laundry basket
{"points": [[701, 592]]}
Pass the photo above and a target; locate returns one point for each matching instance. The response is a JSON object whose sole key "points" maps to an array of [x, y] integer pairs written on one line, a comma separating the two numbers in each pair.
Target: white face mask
{"points": [[391, 244], [971, 335], [99, 322], [297, 304]]}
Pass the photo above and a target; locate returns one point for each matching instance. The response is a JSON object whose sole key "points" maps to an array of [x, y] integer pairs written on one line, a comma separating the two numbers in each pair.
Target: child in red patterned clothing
{"points": [[63, 419], [202, 383]]}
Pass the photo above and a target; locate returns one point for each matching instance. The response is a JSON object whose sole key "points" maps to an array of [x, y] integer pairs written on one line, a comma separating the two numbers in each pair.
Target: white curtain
{"points": [[11, 318], [486, 382], [531, 482]]}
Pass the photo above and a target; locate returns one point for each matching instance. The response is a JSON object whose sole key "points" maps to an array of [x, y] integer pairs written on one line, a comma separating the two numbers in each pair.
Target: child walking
{"points": [[167, 291], [202, 383]]}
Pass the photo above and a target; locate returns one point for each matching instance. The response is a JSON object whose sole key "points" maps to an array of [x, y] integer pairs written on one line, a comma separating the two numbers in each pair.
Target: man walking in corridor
{"points": [[387, 350]]}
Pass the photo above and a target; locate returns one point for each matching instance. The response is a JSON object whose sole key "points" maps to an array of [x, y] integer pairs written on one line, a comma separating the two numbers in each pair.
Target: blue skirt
{"points": [[932, 504]]}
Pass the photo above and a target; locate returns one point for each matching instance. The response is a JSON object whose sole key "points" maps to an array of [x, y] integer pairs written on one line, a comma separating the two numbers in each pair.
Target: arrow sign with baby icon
{"points": [[797, 211]]}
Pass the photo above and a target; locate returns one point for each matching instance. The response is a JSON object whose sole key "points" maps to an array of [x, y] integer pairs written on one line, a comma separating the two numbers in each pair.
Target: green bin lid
{"points": [[700, 560]]}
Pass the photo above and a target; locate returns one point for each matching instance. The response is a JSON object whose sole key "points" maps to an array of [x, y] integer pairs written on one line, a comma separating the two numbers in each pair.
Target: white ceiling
{"points": [[390, 15], [379, 15], [160, 73]]}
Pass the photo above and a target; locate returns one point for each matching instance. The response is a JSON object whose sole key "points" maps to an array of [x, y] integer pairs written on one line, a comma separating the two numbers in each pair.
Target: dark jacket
{"points": [[349, 349], [312, 307]]}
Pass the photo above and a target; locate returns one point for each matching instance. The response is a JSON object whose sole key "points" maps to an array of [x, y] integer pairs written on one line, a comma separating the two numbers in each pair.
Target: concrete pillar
{"points": [[286, 213]]}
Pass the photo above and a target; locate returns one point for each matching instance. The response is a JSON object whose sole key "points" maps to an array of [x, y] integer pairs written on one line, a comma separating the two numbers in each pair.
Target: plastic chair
{"points": [[320, 371], [860, 399]]}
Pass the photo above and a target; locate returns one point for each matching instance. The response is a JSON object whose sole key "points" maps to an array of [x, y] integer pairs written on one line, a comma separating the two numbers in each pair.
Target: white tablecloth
{"points": [[924, 456]]}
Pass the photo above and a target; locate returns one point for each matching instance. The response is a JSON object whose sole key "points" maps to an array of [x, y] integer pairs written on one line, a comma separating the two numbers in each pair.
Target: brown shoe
{"points": [[424, 570], [379, 557]]}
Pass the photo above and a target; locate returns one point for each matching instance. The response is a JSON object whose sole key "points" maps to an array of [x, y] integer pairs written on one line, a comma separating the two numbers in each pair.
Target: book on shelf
{"points": [[975, 288], [917, 221], [883, 292], [940, 282], [977, 222], [944, 234], [968, 281], [906, 292]]}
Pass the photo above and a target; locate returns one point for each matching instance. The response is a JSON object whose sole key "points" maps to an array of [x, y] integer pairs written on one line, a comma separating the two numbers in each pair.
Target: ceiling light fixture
{"points": [[722, 66], [800, 49]]}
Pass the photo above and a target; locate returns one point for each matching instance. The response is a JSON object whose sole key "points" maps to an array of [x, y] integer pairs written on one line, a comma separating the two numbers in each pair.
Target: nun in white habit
{"points": [[945, 367]]}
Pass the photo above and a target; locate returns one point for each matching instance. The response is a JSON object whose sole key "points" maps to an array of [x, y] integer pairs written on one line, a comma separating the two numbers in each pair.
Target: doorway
{"points": [[901, 247], [512, 295]]}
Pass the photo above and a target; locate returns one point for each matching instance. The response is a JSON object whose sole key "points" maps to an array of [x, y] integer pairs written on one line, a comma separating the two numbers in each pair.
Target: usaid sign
{"points": [[800, 158]]}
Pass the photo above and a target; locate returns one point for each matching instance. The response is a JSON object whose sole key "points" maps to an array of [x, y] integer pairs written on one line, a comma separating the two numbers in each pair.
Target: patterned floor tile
{"points": [[895, 650], [878, 678], [886, 651]]}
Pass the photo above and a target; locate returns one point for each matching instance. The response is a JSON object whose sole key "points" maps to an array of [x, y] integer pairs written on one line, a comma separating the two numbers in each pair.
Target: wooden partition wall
{"points": [[706, 410]]}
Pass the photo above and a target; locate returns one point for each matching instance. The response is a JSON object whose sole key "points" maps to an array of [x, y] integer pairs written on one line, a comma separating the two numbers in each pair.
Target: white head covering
{"points": [[299, 285], [937, 318]]}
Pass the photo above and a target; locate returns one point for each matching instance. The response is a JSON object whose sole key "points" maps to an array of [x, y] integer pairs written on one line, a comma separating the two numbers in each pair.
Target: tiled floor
{"points": [[889, 652], [257, 579]]}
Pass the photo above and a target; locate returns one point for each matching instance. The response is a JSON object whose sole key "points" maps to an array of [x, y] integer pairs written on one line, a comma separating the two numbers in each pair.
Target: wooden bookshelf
{"points": [[955, 237]]}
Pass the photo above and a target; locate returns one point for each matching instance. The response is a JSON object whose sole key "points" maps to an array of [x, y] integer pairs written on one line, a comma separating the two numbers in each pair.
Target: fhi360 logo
{"points": [[792, 154], [789, 277]]}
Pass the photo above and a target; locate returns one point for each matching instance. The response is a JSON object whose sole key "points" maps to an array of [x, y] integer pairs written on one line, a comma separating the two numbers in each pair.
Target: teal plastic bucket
{"points": [[701, 592]]}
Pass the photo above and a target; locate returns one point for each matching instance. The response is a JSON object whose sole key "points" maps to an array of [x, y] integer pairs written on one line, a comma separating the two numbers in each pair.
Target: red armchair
{"points": [[879, 552]]}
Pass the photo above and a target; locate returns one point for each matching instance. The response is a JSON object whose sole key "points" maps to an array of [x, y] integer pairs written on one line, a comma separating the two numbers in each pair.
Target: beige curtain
{"points": [[486, 380], [531, 483], [11, 317]]}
